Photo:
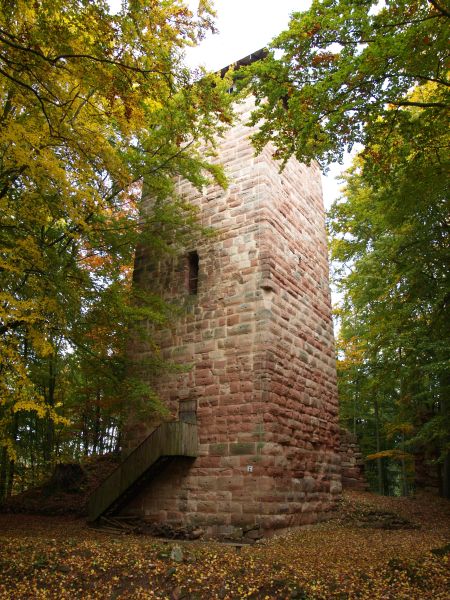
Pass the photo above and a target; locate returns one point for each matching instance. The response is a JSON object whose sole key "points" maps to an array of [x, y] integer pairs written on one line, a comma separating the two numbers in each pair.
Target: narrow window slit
{"points": [[193, 268]]}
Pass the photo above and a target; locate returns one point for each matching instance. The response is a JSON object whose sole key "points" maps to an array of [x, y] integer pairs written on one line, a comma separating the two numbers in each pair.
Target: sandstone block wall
{"points": [[259, 335], [352, 463]]}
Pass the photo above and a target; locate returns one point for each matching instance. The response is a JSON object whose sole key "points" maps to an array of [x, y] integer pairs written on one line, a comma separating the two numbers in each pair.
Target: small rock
{"points": [[177, 554], [254, 534], [251, 527], [196, 534]]}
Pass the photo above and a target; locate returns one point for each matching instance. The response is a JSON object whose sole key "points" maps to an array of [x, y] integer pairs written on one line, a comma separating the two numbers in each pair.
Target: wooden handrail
{"points": [[175, 438]]}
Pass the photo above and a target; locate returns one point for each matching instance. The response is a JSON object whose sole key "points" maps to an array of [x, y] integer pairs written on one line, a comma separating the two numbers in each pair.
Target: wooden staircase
{"points": [[176, 438]]}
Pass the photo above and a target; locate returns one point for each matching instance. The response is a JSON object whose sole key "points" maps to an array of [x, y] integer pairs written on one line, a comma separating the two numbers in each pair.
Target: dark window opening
{"points": [[193, 266]]}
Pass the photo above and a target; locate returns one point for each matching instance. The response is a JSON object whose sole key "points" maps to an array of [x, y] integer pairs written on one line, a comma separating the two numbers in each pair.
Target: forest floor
{"points": [[372, 548]]}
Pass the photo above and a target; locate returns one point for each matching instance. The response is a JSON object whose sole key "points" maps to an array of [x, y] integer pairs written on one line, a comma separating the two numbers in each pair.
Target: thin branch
{"points": [[12, 326], [60, 57], [82, 104], [439, 8], [170, 158], [425, 78], [107, 61], [420, 104], [8, 106], [29, 88], [8, 184]]}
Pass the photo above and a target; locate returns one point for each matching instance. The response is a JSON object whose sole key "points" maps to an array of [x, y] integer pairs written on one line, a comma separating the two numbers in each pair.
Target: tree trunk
{"points": [[49, 425], [355, 404], [118, 441], [381, 489], [97, 423], [405, 488], [3, 472], [445, 478], [11, 472], [85, 434], [12, 463], [444, 408]]}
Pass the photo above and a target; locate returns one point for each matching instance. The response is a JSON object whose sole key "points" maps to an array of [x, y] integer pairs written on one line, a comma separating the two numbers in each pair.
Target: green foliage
{"points": [[90, 104], [348, 72], [391, 242], [344, 65]]}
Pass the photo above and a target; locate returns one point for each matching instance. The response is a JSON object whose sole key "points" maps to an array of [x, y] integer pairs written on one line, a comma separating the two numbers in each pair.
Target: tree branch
{"points": [[13, 325], [439, 8], [420, 104], [172, 157], [60, 57], [33, 91]]}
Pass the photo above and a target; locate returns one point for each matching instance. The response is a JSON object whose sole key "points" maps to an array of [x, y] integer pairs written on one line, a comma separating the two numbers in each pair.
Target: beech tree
{"points": [[348, 72], [91, 104], [343, 65], [390, 242]]}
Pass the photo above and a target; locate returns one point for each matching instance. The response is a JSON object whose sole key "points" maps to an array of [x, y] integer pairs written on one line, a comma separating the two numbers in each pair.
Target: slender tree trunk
{"points": [[78, 445], [405, 487], [3, 472], [11, 472], [85, 435], [118, 441], [12, 463], [355, 402], [101, 447], [49, 425], [444, 408], [381, 489], [405, 490], [445, 477], [33, 468], [97, 420]]}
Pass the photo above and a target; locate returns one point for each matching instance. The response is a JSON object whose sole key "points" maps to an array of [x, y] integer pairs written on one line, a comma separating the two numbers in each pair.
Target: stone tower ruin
{"points": [[258, 332]]}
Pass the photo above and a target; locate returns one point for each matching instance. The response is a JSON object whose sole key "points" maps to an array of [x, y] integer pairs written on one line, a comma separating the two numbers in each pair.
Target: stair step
{"points": [[167, 441]]}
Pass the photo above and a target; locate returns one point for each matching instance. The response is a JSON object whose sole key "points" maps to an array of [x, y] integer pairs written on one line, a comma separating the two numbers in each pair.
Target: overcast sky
{"points": [[244, 26]]}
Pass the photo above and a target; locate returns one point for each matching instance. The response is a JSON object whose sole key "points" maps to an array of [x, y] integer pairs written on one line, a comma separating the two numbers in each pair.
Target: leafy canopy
{"points": [[348, 72], [344, 65], [90, 104]]}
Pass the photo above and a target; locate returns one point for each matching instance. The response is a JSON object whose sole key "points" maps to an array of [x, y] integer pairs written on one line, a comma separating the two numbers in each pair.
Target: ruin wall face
{"points": [[352, 463], [259, 334]]}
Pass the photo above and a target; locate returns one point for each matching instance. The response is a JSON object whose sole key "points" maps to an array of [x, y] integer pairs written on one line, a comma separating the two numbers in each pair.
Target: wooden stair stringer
{"points": [[176, 438]]}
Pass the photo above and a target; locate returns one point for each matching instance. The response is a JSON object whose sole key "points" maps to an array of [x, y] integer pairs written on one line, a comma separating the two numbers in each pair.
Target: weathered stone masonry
{"points": [[352, 464], [259, 335]]}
